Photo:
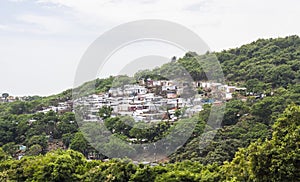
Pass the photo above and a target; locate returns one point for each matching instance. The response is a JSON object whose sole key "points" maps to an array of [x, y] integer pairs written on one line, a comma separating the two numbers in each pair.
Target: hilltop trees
{"points": [[268, 62], [5, 95], [260, 66]]}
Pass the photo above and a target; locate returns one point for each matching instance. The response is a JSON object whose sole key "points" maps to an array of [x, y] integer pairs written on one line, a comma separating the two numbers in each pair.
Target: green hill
{"points": [[261, 65], [258, 141], [273, 62]]}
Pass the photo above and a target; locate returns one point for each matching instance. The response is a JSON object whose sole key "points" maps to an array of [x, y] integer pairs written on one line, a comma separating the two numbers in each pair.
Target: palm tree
{"points": [[5, 96]]}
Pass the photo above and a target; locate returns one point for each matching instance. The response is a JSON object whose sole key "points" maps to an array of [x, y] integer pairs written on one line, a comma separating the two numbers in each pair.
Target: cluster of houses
{"points": [[226, 90], [5, 97], [152, 100], [61, 107], [149, 100]]}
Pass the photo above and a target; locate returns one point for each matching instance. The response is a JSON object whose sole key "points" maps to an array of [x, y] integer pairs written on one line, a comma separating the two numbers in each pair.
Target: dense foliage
{"points": [[258, 139], [261, 66], [277, 159]]}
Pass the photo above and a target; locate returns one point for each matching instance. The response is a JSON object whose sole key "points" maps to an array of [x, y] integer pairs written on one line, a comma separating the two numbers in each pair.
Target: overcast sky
{"points": [[42, 41]]}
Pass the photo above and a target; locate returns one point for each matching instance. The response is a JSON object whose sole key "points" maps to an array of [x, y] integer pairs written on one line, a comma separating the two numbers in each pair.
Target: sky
{"points": [[42, 41]]}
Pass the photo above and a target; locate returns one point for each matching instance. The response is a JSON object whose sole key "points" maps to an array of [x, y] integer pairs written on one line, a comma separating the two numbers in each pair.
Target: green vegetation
{"points": [[276, 159], [263, 64], [258, 139], [260, 66]]}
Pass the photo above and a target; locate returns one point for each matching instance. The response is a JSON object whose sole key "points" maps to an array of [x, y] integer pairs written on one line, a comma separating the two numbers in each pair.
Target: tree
{"points": [[234, 110], [177, 113], [3, 156], [142, 131], [112, 171], [10, 148], [105, 112], [40, 140], [177, 176], [67, 138], [79, 143], [7, 132], [117, 148], [5, 96], [65, 168], [145, 174], [19, 107], [35, 149], [120, 125], [273, 160]]}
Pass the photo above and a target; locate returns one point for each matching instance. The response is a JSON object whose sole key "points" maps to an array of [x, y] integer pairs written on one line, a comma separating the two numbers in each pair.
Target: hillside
{"points": [[269, 62], [261, 65], [258, 141]]}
